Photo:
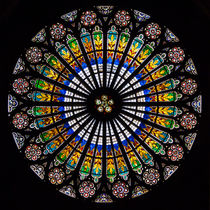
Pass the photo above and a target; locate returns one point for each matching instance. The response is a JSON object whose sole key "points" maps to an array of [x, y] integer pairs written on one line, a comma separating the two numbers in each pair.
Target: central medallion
{"points": [[104, 103]]}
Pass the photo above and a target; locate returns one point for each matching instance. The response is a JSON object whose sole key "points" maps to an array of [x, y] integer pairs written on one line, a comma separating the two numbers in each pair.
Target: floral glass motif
{"points": [[176, 55], [40, 36], [120, 189], [104, 104], [56, 176], [188, 121], [103, 198], [175, 152], [140, 16], [19, 67], [196, 104], [33, 55], [68, 190], [12, 103], [70, 16], [153, 31], [105, 10], [20, 120], [87, 189], [20, 86], [88, 18], [151, 176], [122, 18], [189, 86], [33, 152], [138, 191], [57, 31]]}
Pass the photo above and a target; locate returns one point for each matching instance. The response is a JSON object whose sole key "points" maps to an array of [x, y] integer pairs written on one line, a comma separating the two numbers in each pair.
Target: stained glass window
{"points": [[104, 104]]}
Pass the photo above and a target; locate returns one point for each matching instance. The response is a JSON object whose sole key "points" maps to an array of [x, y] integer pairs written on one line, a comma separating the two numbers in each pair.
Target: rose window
{"points": [[104, 103]]}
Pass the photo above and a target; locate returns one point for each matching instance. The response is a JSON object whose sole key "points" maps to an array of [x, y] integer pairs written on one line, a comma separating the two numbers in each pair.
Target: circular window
{"points": [[104, 104]]}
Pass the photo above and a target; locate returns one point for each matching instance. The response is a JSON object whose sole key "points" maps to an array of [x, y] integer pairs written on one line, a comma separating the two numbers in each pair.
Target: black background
{"points": [[188, 188]]}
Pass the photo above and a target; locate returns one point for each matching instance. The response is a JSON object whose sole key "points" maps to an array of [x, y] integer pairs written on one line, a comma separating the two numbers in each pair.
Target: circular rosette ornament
{"points": [[57, 31], [120, 189], [175, 152], [88, 18], [153, 31], [33, 152], [122, 18], [56, 176], [104, 103], [87, 189], [34, 55], [20, 86], [20, 120], [176, 55], [189, 86], [151, 176], [188, 121]]}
